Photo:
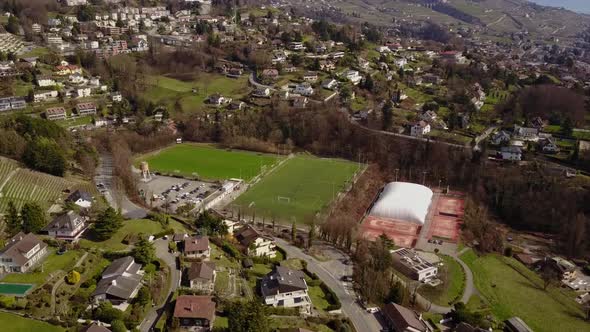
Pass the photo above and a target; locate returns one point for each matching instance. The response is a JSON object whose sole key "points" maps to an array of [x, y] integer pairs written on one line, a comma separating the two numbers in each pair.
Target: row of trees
{"points": [[30, 219]]}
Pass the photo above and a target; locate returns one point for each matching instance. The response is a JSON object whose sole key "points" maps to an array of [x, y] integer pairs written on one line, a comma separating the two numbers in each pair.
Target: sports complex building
{"points": [[409, 214]]}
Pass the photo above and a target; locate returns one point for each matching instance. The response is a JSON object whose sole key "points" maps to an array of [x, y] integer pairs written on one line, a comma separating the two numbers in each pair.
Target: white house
{"points": [[287, 288], [21, 253], [255, 243], [217, 99], [410, 263], [119, 283], [262, 92], [44, 81], [353, 76], [67, 226], [116, 97], [420, 129], [513, 153], [330, 84], [80, 198], [44, 95], [501, 137], [304, 89]]}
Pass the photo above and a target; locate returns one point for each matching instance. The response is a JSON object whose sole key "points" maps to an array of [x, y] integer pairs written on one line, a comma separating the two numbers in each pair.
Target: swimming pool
{"points": [[18, 290]]}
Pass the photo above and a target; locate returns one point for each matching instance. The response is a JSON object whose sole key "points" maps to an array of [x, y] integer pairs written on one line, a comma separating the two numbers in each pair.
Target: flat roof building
{"points": [[409, 262]]}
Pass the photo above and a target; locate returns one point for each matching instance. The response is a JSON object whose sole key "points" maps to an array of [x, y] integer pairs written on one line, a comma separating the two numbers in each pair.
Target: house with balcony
{"points": [[21, 253], [119, 283], [256, 244], [68, 226], [287, 288]]}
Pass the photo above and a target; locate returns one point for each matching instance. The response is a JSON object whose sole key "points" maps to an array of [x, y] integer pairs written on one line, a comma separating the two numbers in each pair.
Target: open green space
{"points": [[221, 282], [193, 93], [130, 227], [208, 162], [511, 289], [299, 188], [42, 271], [452, 287], [16, 323], [74, 122]]}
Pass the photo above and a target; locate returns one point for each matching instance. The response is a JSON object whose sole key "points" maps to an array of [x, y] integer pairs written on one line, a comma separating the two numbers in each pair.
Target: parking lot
{"points": [[170, 193]]}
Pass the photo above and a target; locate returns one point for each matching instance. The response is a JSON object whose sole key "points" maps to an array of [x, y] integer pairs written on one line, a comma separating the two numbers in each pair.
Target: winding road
{"points": [[154, 314], [330, 272]]}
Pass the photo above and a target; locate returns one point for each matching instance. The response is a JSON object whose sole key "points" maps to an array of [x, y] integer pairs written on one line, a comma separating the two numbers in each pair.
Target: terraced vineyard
{"points": [[21, 185]]}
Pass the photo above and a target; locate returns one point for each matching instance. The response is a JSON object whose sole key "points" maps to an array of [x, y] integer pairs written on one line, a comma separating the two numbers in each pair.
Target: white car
{"points": [[372, 310]]}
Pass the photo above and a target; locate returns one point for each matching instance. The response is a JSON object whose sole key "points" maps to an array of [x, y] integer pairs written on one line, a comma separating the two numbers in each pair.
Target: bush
{"points": [[118, 326], [73, 277], [7, 301], [168, 231], [231, 250], [331, 298], [508, 251]]}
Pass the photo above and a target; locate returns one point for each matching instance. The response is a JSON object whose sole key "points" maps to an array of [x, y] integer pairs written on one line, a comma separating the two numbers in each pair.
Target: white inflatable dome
{"points": [[403, 201]]}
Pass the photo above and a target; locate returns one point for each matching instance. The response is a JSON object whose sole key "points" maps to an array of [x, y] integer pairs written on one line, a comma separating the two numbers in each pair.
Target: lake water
{"points": [[582, 6]]}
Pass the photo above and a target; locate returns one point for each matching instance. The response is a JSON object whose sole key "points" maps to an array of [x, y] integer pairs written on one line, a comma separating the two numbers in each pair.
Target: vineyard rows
{"points": [[29, 186]]}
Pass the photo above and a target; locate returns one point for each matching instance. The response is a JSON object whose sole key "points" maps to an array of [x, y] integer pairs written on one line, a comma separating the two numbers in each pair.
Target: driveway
{"points": [[170, 259], [116, 199], [330, 272]]}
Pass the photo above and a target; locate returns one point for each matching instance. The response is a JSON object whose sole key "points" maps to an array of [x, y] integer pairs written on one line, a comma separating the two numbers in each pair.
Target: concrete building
{"points": [[55, 113], [409, 262], [287, 288]]}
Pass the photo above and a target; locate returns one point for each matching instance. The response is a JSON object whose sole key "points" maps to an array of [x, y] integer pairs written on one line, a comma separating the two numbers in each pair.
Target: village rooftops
{"points": [[283, 280], [196, 243], [192, 306]]}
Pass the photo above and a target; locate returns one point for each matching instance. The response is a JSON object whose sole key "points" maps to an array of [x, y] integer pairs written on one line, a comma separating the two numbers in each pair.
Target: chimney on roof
{"points": [[114, 282]]}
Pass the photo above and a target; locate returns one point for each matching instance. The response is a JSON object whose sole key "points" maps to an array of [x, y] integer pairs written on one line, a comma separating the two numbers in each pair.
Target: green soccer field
{"points": [[208, 162], [298, 189]]}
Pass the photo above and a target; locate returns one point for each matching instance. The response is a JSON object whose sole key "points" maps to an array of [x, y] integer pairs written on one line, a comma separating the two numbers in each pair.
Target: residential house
{"points": [[55, 113], [287, 288], [526, 133], [94, 327], [119, 283], [64, 70], [296, 46], [353, 76], [218, 100], [431, 79], [68, 226], [86, 109], [256, 244], [116, 97], [410, 263], [271, 74], [12, 103], [21, 253], [234, 72], [327, 65], [159, 116], [400, 62], [304, 89], [300, 102], [401, 319], [330, 84], [262, 93], [516, 324], [195, 312], [364, 64], [310, 76], [548, 145], [419, 129], [41, 96], [237, 105], [455, 57], [81, 198], [538, 123], [513, 153], [197, 247], [560, 267], [201, 276], [179, 237], [500, 138], [45, 81]]}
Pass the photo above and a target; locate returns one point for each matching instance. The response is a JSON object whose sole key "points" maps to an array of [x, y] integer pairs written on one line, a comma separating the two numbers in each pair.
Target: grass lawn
{"points": [[297, 322], [52, 263], [298, 189], [16, 323], [73, 122], [450, 290], [293, 264], [221, 282], [208, 162], [511, 289], [220, 258], [166, 90], [318, 298], [145, 226], [220, 322], [446, 136]]}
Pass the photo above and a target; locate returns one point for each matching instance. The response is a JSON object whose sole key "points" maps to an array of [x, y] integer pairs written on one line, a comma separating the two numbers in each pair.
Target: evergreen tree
{"points": [[387, 115], [144, 251], [33, 218], [293, 232], [107, 223], [248, 317], [13, 220]]}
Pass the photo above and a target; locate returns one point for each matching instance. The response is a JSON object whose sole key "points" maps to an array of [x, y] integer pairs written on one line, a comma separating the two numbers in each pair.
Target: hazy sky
{"points": [[575, 5]]}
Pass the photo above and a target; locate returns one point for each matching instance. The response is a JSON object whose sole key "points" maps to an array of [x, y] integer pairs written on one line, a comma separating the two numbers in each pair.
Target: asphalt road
{"points": [[117, 200], [170, 259], [330, 272]]}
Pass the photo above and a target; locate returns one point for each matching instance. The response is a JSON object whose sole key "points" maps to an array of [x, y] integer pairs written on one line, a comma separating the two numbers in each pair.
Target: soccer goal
{"points": [[283, 199]]}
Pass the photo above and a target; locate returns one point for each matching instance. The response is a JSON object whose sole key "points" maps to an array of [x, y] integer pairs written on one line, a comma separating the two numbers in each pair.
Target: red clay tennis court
{"points": [[404, 234], [447, 218]]}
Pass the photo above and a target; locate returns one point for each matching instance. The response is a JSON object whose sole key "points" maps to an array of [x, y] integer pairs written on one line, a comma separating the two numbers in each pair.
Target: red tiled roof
{"points": [[194, 306]]}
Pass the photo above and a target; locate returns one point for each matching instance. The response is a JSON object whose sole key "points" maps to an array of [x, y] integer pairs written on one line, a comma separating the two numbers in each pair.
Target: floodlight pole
{"points": [[396, 172], [424, 178]]}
